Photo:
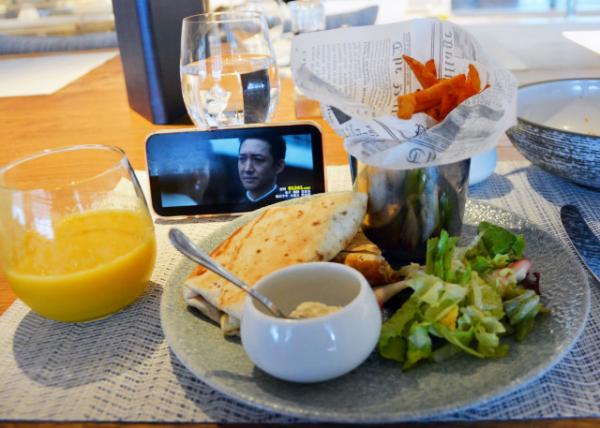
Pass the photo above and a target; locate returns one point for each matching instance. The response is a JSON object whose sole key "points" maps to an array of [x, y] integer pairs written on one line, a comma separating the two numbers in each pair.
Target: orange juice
{"points": [[84, 266]]}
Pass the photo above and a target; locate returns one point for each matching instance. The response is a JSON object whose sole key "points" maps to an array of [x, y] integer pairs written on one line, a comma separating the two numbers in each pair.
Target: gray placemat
{"points": [[121, 369]]}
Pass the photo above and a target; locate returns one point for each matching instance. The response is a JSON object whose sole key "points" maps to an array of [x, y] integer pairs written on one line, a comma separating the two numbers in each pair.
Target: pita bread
{"points": [[314, 230], [229, 326], [364, 256]]}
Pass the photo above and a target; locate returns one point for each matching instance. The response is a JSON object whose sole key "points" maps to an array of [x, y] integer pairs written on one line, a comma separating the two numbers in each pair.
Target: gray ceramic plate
{"points": [[378, 390]]}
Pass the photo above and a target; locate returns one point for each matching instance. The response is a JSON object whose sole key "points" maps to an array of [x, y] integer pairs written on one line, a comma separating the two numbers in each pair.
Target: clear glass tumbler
{"points": [[275, 12], [76, 238], [228, 69], [307, 16]]}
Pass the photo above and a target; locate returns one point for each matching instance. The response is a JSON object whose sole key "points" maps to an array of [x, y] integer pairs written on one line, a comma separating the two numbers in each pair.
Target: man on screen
{"points": [[260, 161]]}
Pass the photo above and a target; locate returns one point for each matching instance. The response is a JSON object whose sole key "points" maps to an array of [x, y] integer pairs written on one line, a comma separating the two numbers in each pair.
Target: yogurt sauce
{"points": [[313, 310]]}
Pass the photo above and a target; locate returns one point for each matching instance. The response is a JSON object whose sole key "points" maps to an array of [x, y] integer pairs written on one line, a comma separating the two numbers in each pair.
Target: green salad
{"points": [[463, 299]]}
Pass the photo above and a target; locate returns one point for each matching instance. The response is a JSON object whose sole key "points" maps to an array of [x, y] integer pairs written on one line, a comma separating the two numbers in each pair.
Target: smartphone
{"points": [[233, 170]]}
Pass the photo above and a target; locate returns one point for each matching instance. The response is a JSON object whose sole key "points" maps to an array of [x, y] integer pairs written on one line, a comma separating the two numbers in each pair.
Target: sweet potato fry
{"points": [[447, 105], [432, 96], [473, 78], [464, 93], [438, 96], [406, 106], [430, 65], [472, 86], [423, 74]]}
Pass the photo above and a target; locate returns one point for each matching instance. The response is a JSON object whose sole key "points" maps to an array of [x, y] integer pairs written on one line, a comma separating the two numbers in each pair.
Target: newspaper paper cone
{"points": [[358, 73]]}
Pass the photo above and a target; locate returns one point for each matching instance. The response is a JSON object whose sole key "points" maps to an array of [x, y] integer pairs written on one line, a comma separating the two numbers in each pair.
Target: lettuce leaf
{"points": [[499, 241], [484, 297], [419, 344], [438, 256], [392, 340], [458, 338], [525, 305], [494, 248]]}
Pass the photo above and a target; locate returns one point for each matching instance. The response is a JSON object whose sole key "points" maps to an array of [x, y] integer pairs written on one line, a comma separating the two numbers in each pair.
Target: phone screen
{"points": [[233, 170]]}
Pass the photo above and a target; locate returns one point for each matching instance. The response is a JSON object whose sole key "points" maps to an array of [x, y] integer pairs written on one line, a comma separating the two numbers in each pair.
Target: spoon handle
{"points": [[189, 249]]}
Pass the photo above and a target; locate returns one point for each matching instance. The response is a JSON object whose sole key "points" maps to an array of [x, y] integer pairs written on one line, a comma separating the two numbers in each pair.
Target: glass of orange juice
{"points": [[76, 238]]}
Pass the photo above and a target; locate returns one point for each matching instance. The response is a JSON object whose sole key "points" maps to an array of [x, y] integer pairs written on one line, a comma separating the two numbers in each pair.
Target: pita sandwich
{"points": [[314, 230], [364, 256]]}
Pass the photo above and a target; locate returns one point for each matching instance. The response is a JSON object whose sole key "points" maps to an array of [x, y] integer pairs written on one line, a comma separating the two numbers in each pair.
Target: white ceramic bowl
{"points": [[316, 349], [482, 166]]}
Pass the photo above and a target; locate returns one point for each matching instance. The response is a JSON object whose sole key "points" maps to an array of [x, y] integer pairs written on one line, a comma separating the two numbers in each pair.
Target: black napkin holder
{"points": [[149, 34]]}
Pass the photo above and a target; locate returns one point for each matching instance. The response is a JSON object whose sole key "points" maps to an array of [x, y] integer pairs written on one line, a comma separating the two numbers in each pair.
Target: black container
{"points": [[149, 33]]}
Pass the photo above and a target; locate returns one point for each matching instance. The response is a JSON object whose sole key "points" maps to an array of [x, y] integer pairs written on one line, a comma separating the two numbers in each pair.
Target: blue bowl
{"points": [[558, 128]]}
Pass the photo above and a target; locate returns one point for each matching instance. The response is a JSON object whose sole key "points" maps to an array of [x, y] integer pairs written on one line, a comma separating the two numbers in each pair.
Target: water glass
{"points": [[228, 70], [76, 238], [307, 16], [275, 11]]}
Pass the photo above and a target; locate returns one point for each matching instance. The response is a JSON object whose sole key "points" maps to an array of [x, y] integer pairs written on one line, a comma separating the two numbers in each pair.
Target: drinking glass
{"points": [[76, 237], [228, 70], [275, 12], [307, 16]]}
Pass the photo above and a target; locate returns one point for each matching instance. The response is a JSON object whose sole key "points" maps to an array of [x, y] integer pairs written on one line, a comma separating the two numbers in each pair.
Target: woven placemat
{"points": [[121, 369]]}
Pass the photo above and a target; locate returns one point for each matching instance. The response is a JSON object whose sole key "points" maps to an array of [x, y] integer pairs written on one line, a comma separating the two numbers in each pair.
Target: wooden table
{"points": [[94, 110]]}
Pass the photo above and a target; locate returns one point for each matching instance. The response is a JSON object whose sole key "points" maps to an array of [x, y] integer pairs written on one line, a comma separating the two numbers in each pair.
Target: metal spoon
{"points": [[191, 251]]}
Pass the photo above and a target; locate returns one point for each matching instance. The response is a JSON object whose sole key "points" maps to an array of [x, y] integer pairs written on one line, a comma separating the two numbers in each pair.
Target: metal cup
{"points": [[407, 207]]}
